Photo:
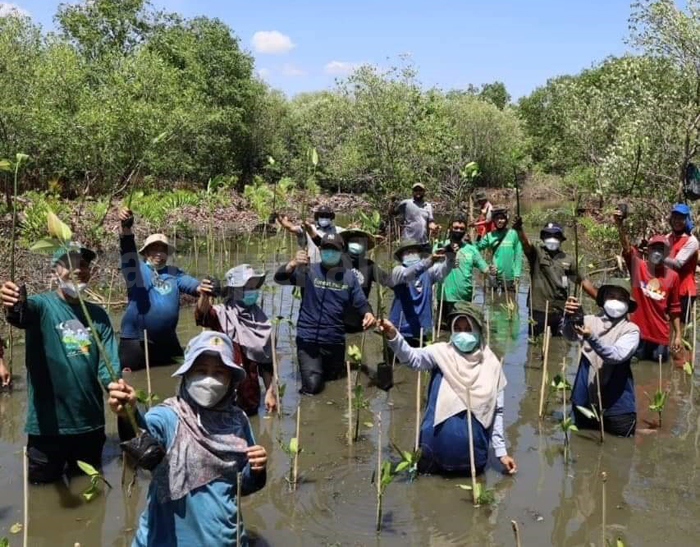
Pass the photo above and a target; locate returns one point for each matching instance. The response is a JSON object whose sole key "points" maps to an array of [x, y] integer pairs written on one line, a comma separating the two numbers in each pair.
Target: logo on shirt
{"points": [[359, 276], [653, 290], [75, 337], [162, 286]]}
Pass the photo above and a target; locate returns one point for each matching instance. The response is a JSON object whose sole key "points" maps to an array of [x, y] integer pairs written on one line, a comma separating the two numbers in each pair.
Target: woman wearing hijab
{"points": [[208, 441], [610, 341], [245, 323], [464, 373]]}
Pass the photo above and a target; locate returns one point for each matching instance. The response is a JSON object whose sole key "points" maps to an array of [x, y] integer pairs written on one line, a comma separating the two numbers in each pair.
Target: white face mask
{"points": [[71, 289], [206, 390], [324, 222], [615, 308], [656, 257], [552, 244]]}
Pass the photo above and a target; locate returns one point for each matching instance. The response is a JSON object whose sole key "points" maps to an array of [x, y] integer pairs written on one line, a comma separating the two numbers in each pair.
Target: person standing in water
{"points": [[192, 498], [464, 373], [245, 323], [309, 235], [656, 289], [484, 222], [551, 269], [506, 251], [417, 222], [458, 285], [683, 256], [65, 370], [609, 340], [329, 290], [153, 293]]}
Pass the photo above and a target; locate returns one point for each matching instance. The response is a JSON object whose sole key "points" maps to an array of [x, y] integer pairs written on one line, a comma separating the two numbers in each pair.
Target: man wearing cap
{"points": [[465, 374], [609, 340], [683, 256], [309, 235], [153, 293], [192, 498], [458, 284], [417, 221], [656, 289], [329, 290], [506, 250], [245, 323], [412, 280], [65, 371], [484, 223], [550, 272]]}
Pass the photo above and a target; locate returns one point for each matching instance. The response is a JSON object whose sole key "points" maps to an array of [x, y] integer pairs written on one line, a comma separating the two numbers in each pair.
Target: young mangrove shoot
{"points": [[96, 479], [657, 403]]}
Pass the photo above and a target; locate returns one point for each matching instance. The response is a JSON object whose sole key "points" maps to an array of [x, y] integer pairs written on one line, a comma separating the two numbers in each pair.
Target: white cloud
{"points": [[272, 41], [338, 68], [11, 9], [293, 71], [264, 73]]}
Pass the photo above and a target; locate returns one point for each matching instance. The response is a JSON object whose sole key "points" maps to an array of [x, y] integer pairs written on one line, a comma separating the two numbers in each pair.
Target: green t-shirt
{"points": [[459, 282], [550, 277], [508, 257], [64, 396]]}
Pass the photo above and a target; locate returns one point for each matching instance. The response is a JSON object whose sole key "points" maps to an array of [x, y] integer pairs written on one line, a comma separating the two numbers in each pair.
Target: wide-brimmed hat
{"points": [[410, 245], [552, 228], [616, 283], [244, 276], [214, 342], [324, 210], [333, 241], [157, 238], [480, 195], [72, 247], [355, 233], [468, 310], [418, 185]]}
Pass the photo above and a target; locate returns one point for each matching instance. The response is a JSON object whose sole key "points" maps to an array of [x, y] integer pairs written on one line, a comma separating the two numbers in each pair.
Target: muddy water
{"points": [[652, 490]]}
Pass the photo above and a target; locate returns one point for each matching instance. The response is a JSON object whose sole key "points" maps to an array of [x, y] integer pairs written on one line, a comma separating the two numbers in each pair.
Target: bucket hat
{"points": [[618, 283], [214, 342], [469, 310], [157, 238], [244, 276], [410, 245], [354, 233]]}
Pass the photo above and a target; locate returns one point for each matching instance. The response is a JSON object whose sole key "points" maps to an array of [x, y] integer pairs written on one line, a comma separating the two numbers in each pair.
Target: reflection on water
{"points": [[652, 488]]}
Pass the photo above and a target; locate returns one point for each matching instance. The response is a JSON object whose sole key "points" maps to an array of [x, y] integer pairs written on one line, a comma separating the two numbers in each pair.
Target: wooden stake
{"points": [[472, 464], [296, 454], [546, 323], [25, 471], [148, 367], [547, 334], [378, 476], [695, 334], [109, 292], [275, 371], [488, 329], [418, 400], [239, 497], [442, 302], [600, 407], [516, 533], [604, 476], [563, 405], [349, 382]]}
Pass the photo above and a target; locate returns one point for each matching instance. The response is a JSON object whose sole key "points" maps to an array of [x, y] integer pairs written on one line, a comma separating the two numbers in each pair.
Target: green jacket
{"points": [[508, 257], [459, 284]]}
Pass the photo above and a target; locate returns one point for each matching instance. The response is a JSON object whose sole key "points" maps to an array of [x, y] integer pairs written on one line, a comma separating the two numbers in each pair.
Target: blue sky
{"points": [[452, 43]]}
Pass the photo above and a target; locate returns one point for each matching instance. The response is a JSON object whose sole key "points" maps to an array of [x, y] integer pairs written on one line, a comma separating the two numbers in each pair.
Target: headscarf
{"points": [[248, 326], [209, 444]]}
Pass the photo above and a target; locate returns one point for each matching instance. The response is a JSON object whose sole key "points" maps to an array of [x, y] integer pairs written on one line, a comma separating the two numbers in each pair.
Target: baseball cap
{"points": [[72, 247], [332, 240], [418, 185], [211, 341]]}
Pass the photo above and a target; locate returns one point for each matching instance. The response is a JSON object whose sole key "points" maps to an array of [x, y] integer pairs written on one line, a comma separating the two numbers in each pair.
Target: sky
{"points": [[303, 45]]}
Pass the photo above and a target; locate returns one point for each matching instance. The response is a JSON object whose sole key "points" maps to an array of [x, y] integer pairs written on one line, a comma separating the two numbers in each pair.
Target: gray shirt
{"points": [[416, 217]]}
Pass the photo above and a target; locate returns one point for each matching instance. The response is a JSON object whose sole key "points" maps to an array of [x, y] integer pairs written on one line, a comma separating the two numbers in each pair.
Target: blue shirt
{"points": [[205, 516], [327, 294], [154, 296]]}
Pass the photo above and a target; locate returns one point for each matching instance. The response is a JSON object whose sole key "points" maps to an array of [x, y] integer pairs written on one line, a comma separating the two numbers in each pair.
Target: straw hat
{"points": [[157, 238]]}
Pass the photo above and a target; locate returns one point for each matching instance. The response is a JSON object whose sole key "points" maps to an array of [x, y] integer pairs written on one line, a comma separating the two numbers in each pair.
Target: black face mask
{"points": [[456, 235]]}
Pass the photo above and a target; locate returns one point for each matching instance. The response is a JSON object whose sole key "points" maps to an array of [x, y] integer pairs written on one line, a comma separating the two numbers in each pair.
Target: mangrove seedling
{"points": [[559, 383], [657, 403], [291, 448], [567, 423], [482, 496], [355, 354], [386, 477], [147, 399], [96, 479], [409, 462], [359, 402]]}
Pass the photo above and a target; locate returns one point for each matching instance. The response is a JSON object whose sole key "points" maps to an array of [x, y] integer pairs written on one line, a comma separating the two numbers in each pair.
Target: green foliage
{"points": [[559, 383], [566, 425], [409, 462], [589, 413], [96, 479], [33, 215], [484, 496], [146, 399], [658, 401], [4, 542], [260, 198], [354, 354], [156, 206]]}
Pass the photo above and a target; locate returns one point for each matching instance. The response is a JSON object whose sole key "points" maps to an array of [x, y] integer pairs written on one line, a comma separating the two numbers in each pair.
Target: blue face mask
{"points": [[465, 342], [410, 259], [250, 297], [330, 257], [356, 248]]}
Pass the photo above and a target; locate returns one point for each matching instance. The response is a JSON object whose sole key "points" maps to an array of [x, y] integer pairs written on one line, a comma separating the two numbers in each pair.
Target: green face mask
{"points": [[250, 297], [330, 257]]}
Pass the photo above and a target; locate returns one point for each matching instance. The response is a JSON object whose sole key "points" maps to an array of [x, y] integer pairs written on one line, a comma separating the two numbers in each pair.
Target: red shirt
{"points": [[687, 271], [657, 295]]}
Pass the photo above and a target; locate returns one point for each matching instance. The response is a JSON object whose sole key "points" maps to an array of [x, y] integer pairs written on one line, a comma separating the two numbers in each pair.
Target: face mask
{"points": [[206, 390], [356, 248], [71, 289], [410, 259], [552, 244], [464, 341], [250, 297], [656, 257], [615, 308], [456, 235], [324, 222], [330, 257]]}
